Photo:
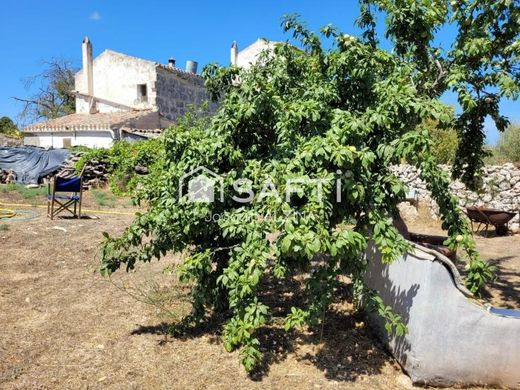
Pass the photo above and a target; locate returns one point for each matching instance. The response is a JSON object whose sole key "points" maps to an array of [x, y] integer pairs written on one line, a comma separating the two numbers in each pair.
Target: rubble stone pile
{"points": [[10, 141], [95, 173], [7, 176]]}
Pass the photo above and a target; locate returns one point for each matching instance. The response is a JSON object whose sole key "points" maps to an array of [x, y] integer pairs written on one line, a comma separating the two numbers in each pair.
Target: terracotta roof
{"points": [[146, 133], [82, 121]]}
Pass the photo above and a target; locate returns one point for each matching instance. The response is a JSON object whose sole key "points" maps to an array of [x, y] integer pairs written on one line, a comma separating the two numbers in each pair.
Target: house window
{"points": [[142, 93]]}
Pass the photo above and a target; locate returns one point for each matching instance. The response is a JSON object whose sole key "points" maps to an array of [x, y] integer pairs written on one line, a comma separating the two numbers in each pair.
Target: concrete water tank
{"points": [[191, 66]]}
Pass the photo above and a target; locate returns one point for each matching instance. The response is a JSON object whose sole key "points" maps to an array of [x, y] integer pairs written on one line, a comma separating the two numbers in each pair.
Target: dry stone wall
{"points": [[500, 190], [10, 141]]}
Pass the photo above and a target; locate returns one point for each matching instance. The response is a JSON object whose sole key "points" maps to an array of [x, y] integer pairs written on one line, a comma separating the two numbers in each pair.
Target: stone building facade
{"points": [[175, 93], [119, 96], [112, 92]]}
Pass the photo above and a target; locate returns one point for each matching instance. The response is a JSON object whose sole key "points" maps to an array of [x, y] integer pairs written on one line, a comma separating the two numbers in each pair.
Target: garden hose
{"points": [[82, 209], [18, 214], [7, 213]]}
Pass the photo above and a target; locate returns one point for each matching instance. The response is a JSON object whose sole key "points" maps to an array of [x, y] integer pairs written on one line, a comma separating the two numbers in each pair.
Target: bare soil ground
{"points": [[503, 252], [65, 326]]}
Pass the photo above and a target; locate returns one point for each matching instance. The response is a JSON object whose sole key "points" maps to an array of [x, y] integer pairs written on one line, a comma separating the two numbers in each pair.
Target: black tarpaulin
{"points": [[30, 163]]}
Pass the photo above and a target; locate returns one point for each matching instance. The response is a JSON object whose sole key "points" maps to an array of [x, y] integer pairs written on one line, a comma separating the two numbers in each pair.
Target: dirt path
{"points": [[503, 252]]}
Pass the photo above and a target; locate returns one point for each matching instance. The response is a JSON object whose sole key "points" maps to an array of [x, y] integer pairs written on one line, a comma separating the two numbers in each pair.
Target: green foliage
{"points": [[121, 160], [481, 66], [8, 127], [342, 116], [4, 227], [445, 145], [483, 70], [508, 146], [445, 142], [101, 155]]}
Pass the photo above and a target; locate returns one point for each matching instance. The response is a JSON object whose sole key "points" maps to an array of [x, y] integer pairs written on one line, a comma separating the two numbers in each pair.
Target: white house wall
{"points": [[93, 139], [249, 55], [116, 77]]}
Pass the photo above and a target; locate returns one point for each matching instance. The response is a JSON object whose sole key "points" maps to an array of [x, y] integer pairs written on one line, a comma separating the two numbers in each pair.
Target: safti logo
{"points": [[202, 184], [205, 186]]}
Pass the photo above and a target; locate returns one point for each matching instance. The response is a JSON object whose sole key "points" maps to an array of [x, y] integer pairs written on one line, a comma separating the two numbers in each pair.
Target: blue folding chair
{"points": [[72, 190]]}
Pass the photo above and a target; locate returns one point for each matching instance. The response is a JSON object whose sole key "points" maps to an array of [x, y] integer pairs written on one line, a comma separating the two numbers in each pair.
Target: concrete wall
{"points": [[176, 91], [451, 339], [93, 139], [116, 77]]}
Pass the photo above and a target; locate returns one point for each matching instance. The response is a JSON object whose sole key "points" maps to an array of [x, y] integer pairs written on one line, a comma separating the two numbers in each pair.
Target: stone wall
{"points": [[501, 188], [176, 91], [10, 141]]}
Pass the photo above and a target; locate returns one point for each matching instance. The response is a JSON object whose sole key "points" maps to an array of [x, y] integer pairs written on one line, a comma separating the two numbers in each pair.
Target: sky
{"points": [[32, 31]]}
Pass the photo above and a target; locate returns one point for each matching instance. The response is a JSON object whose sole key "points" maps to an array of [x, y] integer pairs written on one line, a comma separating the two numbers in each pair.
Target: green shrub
{"points": [[494, 157], [121, 161], [9, 128], [508, 146], [445, 144]]}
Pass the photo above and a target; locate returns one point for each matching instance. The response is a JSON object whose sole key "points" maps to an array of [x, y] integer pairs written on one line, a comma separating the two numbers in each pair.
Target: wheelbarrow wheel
{"points": [[501, 230]]}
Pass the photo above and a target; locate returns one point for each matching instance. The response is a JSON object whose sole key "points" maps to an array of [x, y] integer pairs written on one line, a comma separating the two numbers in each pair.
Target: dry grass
{"points": [[64, 326]]}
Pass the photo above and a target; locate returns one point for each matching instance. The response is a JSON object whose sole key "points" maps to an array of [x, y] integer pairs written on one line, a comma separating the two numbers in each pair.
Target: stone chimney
{"points": [[88, 70], [234, 53]]}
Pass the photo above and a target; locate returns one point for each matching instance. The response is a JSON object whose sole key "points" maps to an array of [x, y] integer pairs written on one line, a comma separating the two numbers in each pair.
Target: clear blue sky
{"points": [[32, 31]]}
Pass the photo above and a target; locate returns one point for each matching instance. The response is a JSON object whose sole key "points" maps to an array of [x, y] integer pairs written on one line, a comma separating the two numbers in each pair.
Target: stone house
{"points": [[119, 96]]}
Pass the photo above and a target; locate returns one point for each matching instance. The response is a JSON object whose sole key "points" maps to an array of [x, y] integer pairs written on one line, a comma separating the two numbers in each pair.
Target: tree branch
{"points": [[440, 76], [30, 101]]}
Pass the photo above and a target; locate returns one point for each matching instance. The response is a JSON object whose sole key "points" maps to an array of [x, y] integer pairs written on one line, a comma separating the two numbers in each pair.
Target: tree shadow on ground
{"points": [[344, 349], [348, 349], [492, 233], [507, 289], [505, 286], [212, 326]]}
